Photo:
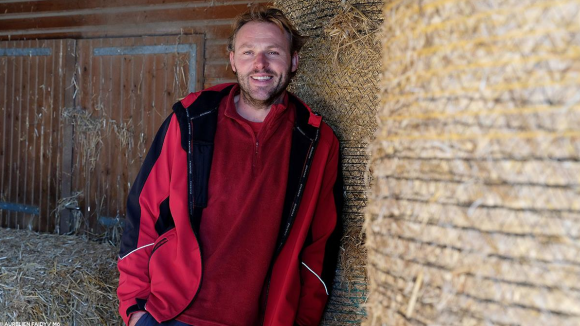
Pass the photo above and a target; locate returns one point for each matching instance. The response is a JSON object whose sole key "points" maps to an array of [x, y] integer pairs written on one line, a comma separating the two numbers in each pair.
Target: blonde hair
{"points": [[261, 13]]}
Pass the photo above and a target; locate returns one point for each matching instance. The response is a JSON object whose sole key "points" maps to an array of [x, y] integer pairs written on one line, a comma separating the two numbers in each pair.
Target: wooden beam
{"points": [[68, 134]]}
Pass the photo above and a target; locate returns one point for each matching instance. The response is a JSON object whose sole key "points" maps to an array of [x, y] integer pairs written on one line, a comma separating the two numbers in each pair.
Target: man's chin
{"points": [[261, 96], [260, 99]]}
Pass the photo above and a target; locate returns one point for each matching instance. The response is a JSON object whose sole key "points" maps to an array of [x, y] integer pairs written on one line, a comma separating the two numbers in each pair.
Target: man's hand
{"points": [[135, 317]]}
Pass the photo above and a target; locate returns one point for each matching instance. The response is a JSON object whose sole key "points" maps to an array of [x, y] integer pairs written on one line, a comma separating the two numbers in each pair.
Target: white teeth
{"points": [[262, 78]]}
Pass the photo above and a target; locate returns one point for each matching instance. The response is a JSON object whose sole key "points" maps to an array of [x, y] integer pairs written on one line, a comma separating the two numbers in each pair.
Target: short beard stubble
{"points": [[273, 94]]}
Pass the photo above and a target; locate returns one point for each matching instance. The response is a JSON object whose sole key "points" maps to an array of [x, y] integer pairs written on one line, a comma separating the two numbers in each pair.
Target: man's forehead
{"points": [[268, 46], [262, 31]]}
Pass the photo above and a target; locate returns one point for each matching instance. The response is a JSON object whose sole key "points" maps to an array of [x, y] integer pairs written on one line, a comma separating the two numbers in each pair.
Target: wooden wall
{"points": [[57, 19], [128, 95], [33, 91]]}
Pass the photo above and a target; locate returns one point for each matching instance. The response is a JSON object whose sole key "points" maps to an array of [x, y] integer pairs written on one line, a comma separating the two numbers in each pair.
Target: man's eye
{"points": [[274, 53], [247, 52]]}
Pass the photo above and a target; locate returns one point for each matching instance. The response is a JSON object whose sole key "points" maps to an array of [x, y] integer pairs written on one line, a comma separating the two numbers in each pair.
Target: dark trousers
{"points": [[148, 320]]}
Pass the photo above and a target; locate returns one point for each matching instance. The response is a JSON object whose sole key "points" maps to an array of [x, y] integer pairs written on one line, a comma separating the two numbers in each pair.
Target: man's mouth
{"points": [[262, 78]]}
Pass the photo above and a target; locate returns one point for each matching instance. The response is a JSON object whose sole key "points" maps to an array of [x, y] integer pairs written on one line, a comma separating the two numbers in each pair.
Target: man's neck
{"points": [[253, 111]]}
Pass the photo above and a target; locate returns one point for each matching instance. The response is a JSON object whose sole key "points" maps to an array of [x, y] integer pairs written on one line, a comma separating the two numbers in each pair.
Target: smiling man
{"points": [[232, 219]]}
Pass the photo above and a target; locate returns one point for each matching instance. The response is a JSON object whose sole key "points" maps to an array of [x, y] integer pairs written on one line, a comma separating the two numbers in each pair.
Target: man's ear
{"points": [[232, 61], [294, 61]]}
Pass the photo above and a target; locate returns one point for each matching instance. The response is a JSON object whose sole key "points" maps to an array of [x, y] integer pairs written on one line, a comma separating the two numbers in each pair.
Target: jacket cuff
{"points": [[140, 306]]}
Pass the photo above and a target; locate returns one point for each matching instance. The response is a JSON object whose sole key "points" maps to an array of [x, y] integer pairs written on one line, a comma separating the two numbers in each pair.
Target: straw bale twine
{"points": [[338, 77], [474, 215], [55, 278]]}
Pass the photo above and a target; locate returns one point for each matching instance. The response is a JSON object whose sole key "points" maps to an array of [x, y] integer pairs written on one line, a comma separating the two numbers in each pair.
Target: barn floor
{"points": [[54, 278]]}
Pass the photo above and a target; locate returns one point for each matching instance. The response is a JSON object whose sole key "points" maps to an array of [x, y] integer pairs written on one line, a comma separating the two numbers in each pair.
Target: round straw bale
{"points": [[338, 77], [474, 212]]}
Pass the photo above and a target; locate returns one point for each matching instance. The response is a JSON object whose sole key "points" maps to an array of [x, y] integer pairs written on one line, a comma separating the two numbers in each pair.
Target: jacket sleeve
{"points": [[146, 203], [320, 254]]}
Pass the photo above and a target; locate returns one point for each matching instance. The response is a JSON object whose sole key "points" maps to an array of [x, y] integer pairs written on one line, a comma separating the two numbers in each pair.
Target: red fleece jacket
{"points": [[240, 225]]}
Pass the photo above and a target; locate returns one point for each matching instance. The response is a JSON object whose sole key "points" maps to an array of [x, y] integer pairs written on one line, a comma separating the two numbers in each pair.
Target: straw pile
{"points": [[474, 216], [55, 278], [338, 77]]}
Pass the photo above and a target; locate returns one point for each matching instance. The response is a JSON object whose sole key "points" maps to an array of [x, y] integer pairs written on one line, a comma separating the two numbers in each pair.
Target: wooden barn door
{"points": [[35, 89], [126, 89]]}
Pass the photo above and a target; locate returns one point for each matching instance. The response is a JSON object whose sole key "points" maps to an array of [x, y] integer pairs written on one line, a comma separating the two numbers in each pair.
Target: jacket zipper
{"points": [[293, 212], [191, 197]]}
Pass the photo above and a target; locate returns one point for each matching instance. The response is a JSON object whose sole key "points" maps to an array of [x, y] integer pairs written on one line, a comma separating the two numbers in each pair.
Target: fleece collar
{"points": [[204, 101]]}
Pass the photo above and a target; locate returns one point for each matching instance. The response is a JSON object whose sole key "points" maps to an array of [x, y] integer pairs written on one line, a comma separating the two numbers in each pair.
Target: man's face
{"points": [[263, 62]]}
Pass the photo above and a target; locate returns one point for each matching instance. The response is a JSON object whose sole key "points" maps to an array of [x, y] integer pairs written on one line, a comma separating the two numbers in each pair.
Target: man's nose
{"points": [[260, 61]]}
